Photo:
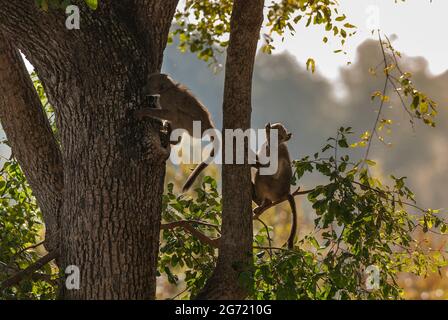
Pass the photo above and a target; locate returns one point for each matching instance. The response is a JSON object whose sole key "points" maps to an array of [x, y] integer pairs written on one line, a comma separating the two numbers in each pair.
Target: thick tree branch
{"points": [[30, 136], [151, 21], [154, 19], [34, 246], [35, 30], [28, 272]]}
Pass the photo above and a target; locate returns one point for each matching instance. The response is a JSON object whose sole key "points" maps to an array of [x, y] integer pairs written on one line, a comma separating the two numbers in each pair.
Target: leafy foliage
{"points": [[181, 251], [415, 103], [20, 227], [284, 14], [420, 106], [360, 222], [203, 26]]}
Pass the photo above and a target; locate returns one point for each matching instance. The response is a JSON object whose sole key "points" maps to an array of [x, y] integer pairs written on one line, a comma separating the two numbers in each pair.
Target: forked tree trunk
{"points": [[113, 165]]}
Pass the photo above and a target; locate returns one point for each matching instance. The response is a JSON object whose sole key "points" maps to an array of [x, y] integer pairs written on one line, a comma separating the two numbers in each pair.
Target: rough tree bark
{"points": [[230, 278], [113, 166]]}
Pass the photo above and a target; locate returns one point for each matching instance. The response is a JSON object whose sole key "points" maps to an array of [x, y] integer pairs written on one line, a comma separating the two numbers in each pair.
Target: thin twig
{"points": [[187, 226], [267, 232], [180, 293], [34, 246], [403, 104], [382, 101]]}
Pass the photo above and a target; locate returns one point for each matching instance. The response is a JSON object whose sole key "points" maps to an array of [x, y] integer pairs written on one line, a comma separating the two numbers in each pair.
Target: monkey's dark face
{"points": [[288, 137], [158, 83], [283, 135]]}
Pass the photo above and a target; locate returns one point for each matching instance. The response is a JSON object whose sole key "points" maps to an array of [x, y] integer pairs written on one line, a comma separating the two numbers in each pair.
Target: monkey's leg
{"points": [[197, 171], [255, 198]]}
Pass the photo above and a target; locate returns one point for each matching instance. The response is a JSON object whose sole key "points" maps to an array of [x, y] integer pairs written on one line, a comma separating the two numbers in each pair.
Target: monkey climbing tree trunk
{"points": [[232, 277], [100, 186]]}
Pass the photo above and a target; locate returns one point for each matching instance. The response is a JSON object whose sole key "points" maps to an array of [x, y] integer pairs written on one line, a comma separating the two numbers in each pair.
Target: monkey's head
{"points": [[283, 134], [159, 83]]}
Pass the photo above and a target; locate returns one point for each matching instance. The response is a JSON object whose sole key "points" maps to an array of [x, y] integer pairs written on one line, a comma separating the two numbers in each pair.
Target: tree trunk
{"points": [[113, 165], [232, 276], [113, 191], [37, 150]]}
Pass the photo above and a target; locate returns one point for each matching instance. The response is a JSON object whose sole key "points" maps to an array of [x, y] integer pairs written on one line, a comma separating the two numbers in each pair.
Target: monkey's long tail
{"points": [[292, 235], [197, 171], [193, 175]]}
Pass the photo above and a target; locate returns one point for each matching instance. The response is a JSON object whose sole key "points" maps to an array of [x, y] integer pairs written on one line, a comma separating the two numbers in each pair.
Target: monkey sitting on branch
{"points": [[271, 188], [180, 108]]}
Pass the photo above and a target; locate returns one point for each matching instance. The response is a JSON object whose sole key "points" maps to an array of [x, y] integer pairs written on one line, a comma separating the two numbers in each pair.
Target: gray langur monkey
{"points": [[271, 188], [178, 106]]}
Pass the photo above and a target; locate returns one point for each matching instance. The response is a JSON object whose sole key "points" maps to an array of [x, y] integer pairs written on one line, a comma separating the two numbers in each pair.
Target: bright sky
{"points": [[421, 27]]}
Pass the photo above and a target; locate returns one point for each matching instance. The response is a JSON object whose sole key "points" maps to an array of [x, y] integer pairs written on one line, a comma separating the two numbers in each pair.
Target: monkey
{"points": [[178, 106], [271, 188]]}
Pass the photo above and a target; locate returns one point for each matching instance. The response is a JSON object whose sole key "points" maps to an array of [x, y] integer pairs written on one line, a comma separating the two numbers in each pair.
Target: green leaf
{"points": [[93, 4]]}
